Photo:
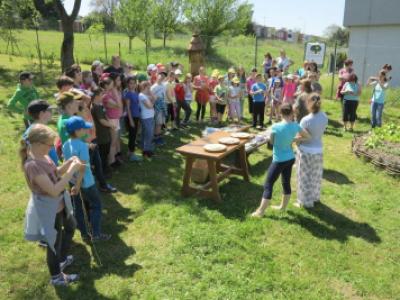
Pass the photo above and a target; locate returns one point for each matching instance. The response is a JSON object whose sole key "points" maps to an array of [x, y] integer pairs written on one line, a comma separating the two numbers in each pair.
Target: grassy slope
{"points": [[167, 247]]}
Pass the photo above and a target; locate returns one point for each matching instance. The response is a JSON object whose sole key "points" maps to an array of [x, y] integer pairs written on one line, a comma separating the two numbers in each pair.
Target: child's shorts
{"points": [[221, 108], [159, 118]]}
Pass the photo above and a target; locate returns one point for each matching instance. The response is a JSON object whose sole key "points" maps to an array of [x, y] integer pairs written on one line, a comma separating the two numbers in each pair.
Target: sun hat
{"points": [[215, 73], [75, 123], [221, 77], [231, 70], [235, 80], [67, 97]]}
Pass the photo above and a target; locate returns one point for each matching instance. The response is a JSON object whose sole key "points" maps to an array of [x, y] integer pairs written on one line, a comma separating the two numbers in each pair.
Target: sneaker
{"points": [[108, 189], [67, 262], [64, 279], [135, 158], [257, 214], [101, 237], [42, 244], [159, 142]]}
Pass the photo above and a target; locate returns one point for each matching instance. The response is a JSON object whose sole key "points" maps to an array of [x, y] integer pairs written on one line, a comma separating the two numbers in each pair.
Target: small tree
{"points": [[130, 18], [335, 33], [167, 16], [211, 18]]}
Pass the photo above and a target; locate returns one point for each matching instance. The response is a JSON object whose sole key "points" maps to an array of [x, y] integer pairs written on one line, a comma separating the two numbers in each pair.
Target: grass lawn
{"points": [[168, 247], [235, 51]]}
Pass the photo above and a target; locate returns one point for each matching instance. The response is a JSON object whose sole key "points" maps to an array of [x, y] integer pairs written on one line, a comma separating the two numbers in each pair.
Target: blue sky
{"points": [[310, 16]]}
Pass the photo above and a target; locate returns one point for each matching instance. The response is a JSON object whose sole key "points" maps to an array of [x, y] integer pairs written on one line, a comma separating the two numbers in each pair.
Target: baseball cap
{"points": [[151, 67], [215, 73], [97, 63], [25, 75], [141, 77], [36, 106], [75, 123], [178, 72]]}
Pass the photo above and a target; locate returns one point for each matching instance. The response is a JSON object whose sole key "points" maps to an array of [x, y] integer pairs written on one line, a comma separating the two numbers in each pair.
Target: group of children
{"points": [[96, 106]]}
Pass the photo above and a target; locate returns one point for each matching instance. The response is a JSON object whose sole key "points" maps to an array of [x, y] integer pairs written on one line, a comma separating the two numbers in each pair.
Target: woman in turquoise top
{"points": [[283, 135], [378, 98], [351, 92]]}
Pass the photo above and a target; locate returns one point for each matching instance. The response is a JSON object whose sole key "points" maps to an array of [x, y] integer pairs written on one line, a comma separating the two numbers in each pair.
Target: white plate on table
{"points": [[241, 135], [215, 148], [229, 141]]}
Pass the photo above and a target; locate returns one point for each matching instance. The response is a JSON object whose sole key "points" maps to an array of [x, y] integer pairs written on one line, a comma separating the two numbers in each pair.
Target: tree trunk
{"points": [[164, 38], [67, 47], [130, 44]]}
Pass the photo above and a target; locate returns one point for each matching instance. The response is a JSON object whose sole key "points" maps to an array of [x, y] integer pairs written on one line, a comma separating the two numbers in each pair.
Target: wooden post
{"points": [[39, 54], [196, 54], [334, 70], [105, 45]]}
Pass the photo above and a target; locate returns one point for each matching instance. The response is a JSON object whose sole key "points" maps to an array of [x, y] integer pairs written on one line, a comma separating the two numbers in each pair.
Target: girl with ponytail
{"points": [[309, 155], [49, 212]]}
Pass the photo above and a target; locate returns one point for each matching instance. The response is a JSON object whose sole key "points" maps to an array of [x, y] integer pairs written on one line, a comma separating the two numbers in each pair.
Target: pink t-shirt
{"points": [[212, 84], [112, 113], [249, 83], [289, 89]]}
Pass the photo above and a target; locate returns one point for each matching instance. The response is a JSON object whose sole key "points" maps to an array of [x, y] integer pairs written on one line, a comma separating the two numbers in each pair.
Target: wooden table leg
{"points": [[187, 176], [213, 180], [243, 163]]}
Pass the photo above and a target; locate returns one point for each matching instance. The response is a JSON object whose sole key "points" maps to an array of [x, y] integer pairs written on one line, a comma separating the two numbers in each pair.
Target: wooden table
{"points": [[217, 170]]}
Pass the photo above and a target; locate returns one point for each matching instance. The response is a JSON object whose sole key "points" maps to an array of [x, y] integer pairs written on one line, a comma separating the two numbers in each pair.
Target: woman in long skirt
{"points": [[309, 155]]}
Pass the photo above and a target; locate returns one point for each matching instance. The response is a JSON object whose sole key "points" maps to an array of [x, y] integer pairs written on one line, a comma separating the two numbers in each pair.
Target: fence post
{"points": [[255, 52], [105, 45], [39, 54], [334, 70]]}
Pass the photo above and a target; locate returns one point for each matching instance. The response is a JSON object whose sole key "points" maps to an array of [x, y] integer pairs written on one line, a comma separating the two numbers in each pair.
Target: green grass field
{"points": [[235, 51], [168, 247]]}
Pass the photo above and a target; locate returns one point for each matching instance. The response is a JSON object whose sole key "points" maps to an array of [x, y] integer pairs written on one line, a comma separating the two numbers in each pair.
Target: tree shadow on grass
{"points": [[332, 225], [336, 177], [334, 128], [113, 255]]}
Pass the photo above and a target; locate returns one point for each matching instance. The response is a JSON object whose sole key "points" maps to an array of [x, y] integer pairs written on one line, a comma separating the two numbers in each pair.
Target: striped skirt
{"points": [[309, 177]]}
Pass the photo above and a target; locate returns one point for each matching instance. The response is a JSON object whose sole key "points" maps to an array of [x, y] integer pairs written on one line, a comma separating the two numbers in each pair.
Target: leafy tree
{"points": [[130, 19], [335, 33], [243, 19], [67, 23], [167, 16], [211, 18]]}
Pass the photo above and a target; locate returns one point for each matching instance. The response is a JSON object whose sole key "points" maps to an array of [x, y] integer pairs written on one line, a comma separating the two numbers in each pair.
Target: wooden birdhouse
{"points": [[196, 54]]}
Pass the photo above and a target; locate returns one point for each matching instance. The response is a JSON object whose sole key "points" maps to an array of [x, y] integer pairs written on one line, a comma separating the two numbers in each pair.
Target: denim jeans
{"points": [[92, 202], [147, 134], [376, 114]]}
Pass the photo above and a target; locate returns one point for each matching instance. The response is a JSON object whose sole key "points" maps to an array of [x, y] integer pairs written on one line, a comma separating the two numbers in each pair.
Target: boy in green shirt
{"points": [[221, 94], [24, 94], [68, 107]]}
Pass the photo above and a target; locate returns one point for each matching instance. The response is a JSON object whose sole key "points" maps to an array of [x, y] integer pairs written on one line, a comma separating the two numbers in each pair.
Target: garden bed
{"points": [[380, 147]]}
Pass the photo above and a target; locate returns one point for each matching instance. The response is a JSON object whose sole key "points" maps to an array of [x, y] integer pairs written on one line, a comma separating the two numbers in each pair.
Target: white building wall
{"points": [[372, 47]]}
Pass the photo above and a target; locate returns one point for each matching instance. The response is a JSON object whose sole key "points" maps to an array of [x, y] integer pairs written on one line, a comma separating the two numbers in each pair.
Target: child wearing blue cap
{"points": [[76, 128]]}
